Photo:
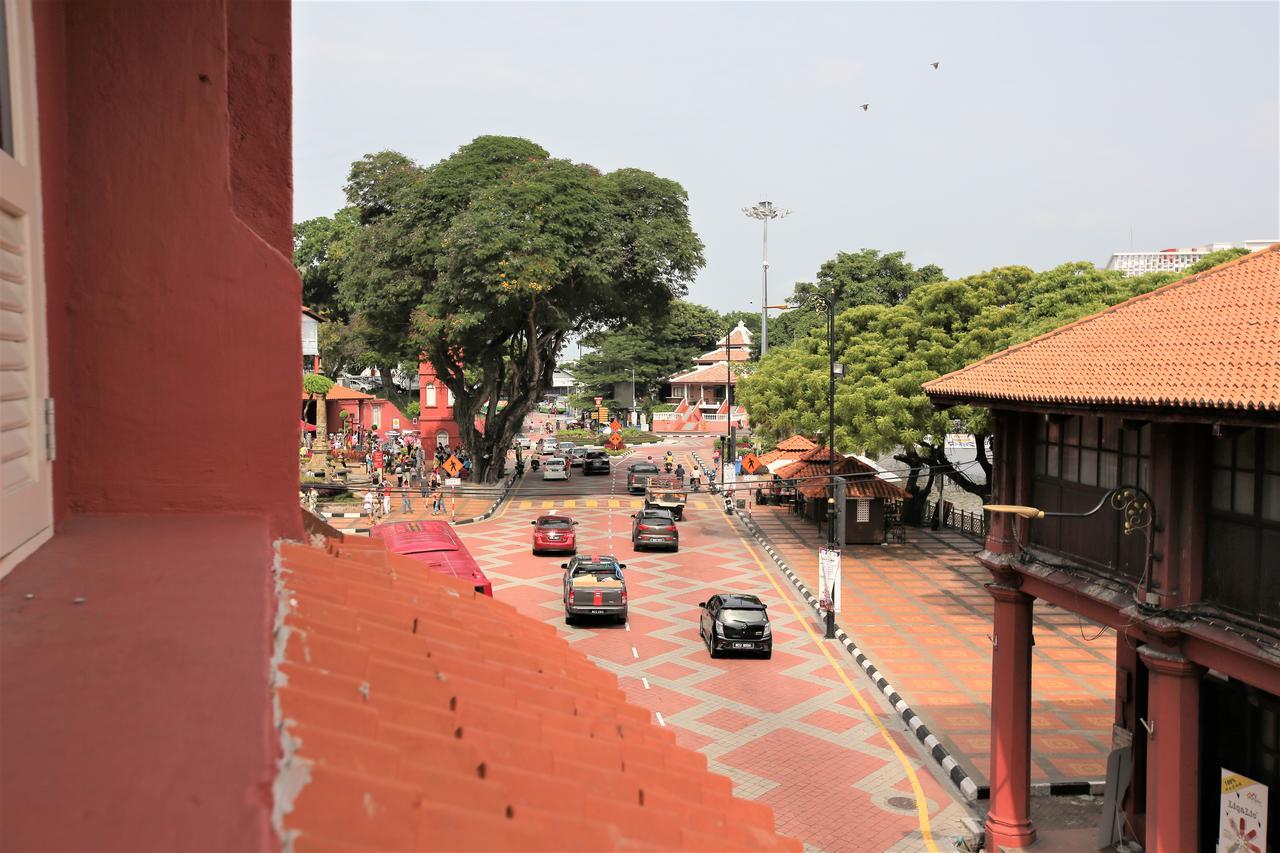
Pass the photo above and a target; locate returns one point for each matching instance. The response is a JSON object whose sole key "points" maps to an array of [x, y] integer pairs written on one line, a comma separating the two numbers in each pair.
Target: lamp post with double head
{"points": [[764, 211]]}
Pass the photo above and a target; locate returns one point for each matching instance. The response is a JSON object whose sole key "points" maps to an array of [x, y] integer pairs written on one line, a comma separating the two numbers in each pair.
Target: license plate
{"points": [[597, 612], [743, 645]]}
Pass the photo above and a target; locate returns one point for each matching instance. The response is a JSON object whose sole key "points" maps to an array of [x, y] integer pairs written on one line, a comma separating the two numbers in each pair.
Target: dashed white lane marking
{"points": [[627, 625], [635, 654], [645, 682], [661, 721]]}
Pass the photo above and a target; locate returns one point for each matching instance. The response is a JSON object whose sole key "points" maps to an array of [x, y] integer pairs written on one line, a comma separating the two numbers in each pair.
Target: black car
{"points": [[638, 475], [596, 462], [735, 623], [654, 527]]}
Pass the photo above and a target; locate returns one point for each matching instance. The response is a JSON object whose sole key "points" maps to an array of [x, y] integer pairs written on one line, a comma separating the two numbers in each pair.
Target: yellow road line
{"points": [[614, 504], [570, 504], [548, 504], [922, 806], [592, 503]]}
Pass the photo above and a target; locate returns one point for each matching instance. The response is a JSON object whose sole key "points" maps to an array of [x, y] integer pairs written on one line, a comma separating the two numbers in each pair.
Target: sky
{"points": [[1050, 132]]}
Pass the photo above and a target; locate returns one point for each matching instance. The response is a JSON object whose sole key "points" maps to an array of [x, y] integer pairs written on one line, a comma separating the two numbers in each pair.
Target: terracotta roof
{"points": [[797, 443], [740, 334], [1211, 340], [417, 714], [712, 374], [718, 356], [864, 482], [342, 392]]}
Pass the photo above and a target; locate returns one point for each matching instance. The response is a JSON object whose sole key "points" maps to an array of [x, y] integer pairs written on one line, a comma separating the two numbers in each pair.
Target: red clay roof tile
{"points": [[426, 716], [862, 480], [1208, 341]]}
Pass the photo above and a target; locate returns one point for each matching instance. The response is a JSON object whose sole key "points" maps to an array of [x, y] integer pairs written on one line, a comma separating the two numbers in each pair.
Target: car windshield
{"points": [[748, 617], [556, 522], [657, 516], [644, 468]]}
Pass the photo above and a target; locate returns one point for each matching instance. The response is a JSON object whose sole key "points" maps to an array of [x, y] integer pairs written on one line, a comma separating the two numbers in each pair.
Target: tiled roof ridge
{"points": [[1133, 300]]}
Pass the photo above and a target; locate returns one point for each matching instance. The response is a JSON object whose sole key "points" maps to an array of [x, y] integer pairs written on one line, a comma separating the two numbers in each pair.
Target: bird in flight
{"points": [[935, 65], [865, 107]]}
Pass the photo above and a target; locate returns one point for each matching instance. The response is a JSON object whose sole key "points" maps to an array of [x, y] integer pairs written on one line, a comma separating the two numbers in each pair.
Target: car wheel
{"points": [[568, 618], [768, 653], [711, 647]]}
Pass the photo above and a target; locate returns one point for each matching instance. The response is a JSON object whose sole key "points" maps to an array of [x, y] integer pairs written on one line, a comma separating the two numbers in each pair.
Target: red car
{"points": [[434, 544], [555, 533]]}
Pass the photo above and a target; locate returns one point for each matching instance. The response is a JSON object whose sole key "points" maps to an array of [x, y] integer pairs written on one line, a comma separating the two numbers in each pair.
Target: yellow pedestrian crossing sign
{"points": [[751, 463], [452, 466]]}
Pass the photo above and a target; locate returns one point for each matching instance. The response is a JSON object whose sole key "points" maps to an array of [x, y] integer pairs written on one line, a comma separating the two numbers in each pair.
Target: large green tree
{"points": [[865, 277], [890, 350], [487, 262]]}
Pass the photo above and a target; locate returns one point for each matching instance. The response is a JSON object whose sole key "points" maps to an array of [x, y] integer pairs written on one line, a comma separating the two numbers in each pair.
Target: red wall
{"points": [[437, 418], [165, 145]]}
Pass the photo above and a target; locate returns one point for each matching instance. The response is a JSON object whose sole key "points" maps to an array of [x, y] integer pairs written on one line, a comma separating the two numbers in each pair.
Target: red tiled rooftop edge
{"points": [[417, 714]]}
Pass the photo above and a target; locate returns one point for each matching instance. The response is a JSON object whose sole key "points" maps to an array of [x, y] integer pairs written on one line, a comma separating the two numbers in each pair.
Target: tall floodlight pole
{"points": [[764, 211]]}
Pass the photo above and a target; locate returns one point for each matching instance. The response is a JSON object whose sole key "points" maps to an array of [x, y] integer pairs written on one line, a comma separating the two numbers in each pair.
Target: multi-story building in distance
{"points": [[1174, 260]]}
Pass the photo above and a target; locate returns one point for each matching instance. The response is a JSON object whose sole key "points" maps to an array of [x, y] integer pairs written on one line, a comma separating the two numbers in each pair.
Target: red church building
{"points": [[1138, 465]]}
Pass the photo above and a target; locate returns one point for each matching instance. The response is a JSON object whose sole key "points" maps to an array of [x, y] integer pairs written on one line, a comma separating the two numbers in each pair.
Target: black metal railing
{"points": [[969, 523]]}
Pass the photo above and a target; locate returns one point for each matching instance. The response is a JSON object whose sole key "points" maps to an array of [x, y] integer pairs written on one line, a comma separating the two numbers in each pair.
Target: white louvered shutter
{"points": [[26, 510]]}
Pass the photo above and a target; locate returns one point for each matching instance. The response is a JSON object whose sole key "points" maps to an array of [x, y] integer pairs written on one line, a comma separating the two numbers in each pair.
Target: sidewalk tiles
{"points": [[921, 615]]}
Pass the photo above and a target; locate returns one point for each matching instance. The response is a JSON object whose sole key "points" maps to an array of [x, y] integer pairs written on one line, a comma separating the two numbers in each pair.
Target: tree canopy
{"points": [[865, 277], [889, 351], [488, 261]]}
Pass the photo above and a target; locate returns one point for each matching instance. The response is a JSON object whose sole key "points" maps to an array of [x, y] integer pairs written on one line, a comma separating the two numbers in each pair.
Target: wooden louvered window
{"points": [[25, 471], [1242, 548]]}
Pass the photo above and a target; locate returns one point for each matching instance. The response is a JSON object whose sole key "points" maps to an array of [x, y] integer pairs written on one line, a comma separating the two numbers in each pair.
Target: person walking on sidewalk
{"points": [[406, 501], [368, 503]]}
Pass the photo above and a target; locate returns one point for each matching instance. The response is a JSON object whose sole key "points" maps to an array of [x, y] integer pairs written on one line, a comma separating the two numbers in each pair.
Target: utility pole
{"points": [[764, 211]]}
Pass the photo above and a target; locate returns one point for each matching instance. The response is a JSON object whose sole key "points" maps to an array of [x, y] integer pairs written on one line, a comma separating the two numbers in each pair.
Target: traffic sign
{"points": [[751, 463], [614, 441], [615, 426], [452, 466], [603, 414]]}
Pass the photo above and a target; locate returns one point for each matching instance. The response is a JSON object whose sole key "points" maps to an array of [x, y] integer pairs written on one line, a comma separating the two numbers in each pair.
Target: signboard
{"points": [[377, 459], [452, 481], [452, 466], [614, 442], [751, 463], [615, 426], [603, 414], [829, 574], [599, 400], [395, 423], [1242, 819]]}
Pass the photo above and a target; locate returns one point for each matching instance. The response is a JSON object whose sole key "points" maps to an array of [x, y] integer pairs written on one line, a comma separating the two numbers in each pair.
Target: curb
{"points": [[967, 787], [506, 493]]}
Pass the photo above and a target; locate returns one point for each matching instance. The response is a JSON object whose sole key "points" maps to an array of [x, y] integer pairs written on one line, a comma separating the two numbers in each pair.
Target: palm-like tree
{"points": [[316, 385]]}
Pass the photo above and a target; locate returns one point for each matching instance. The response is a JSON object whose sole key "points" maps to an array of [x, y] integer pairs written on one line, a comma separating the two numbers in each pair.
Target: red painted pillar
{"points": [[1173, 751], [1009, 815]]}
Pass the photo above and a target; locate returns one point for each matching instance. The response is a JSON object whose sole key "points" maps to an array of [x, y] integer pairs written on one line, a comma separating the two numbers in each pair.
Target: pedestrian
{"points": [[368, 503], [386, 501], [368, 462], [313, 499], [406, 503], [426, 489], [399, 476]]}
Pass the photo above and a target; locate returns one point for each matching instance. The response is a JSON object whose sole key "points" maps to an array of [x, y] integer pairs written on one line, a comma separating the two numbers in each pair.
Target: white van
{"points": [[555, 468]]}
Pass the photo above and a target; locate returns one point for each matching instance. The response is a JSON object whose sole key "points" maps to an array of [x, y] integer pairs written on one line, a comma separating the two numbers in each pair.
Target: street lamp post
{"points": [[764, 211]]}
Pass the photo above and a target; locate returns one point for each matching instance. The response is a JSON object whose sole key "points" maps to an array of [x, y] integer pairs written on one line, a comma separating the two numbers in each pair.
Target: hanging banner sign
{"points": [[1242, 819], [829, 574]]}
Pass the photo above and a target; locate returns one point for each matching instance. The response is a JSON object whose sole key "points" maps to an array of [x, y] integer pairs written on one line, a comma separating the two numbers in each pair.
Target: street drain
{"points": [[904, 803]]}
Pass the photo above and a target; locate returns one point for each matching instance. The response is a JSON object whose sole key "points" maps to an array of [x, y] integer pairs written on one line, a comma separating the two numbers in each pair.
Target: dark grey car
{"points": [[654, 528], [735, 623], [596, 462]]}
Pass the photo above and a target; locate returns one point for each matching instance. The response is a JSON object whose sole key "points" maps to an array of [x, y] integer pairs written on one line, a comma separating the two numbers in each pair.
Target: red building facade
{"points": [[435, 416], [1177, 393]]}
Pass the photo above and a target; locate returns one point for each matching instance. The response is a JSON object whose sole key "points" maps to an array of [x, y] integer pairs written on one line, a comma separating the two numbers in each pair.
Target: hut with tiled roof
{"points": [[867, 494], [1138, 462]]}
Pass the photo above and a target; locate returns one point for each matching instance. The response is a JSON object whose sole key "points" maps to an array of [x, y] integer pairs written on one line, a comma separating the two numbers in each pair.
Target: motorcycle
{"points": [[695, 483]]}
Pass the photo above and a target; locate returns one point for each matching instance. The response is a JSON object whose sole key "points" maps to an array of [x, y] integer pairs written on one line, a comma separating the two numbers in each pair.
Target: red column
{"points": [[1009, 816], [1173, 754]]}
